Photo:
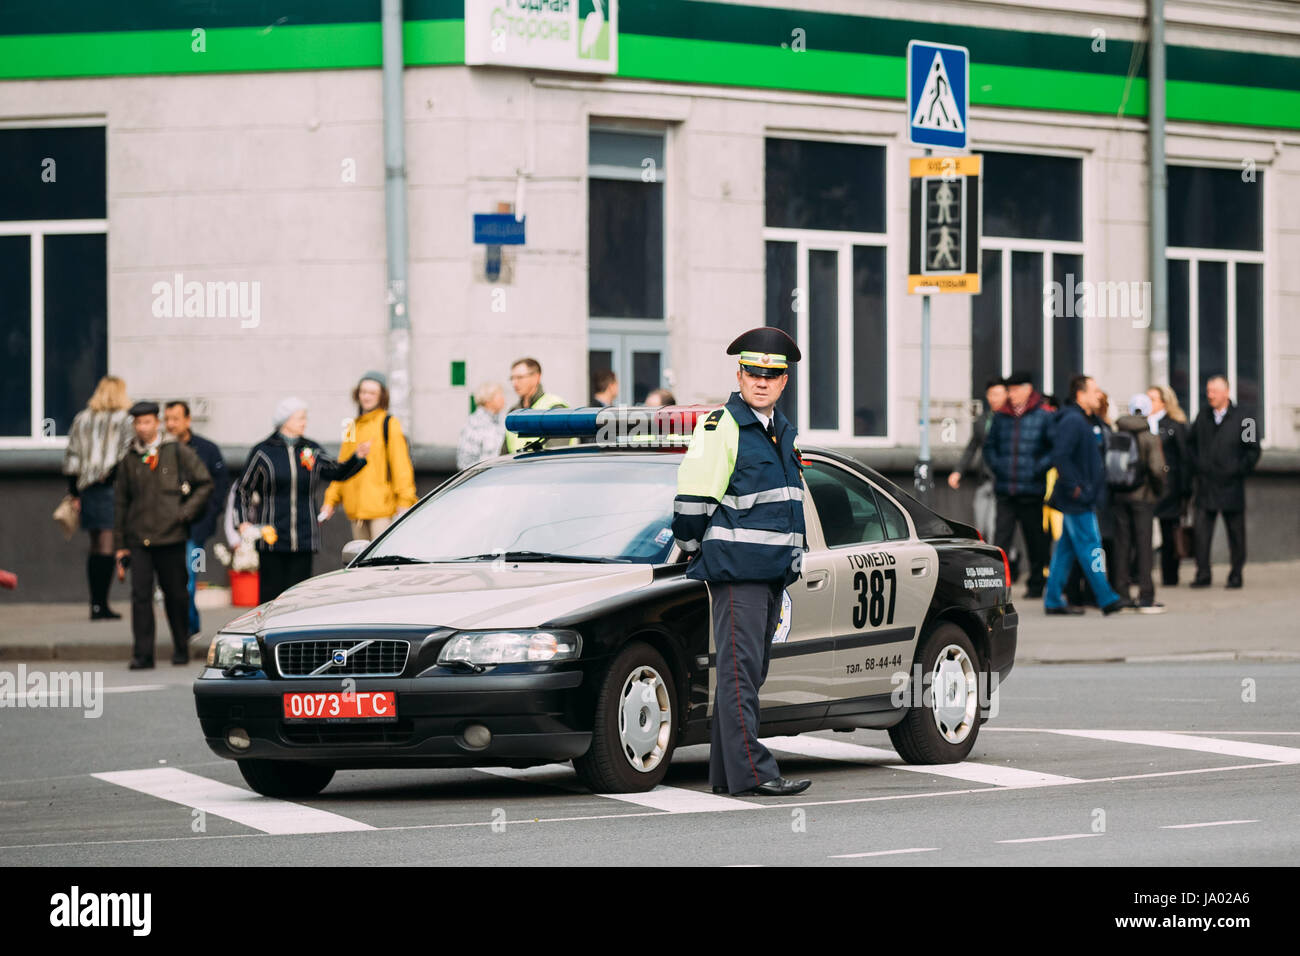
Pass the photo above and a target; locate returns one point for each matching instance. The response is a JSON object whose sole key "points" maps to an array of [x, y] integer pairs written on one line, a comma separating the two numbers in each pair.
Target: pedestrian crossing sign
{"points": [[944, 247], [938, 94]]}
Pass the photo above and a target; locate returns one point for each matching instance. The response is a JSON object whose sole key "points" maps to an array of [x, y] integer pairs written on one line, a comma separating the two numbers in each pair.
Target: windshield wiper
{"points": [[540, 556], [387, 559]]}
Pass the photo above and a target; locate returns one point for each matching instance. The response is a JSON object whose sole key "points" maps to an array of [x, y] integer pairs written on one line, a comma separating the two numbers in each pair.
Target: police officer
{"points": [[738, 515]]}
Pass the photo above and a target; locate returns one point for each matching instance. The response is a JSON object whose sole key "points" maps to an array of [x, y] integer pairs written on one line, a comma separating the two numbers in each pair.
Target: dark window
{"points": [[76, 323], [1067, 325], [1180, 336], [645, 375], [846, 506], [15, 335], [823, 339], [870, 342], [1211, 322], [781, 311], [820, 185], [52, 173], [1027, 314], [1250, 342], [1033, 197], [1215, 209], [625, 248], [986, 324]]}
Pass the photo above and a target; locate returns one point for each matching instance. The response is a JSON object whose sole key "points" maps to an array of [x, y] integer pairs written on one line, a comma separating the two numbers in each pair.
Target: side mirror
{"points": [[354, 548]]}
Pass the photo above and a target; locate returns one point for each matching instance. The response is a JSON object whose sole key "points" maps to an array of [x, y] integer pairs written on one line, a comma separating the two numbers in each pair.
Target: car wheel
{"points": [[634, 729], [943, 725], [285, 778]]}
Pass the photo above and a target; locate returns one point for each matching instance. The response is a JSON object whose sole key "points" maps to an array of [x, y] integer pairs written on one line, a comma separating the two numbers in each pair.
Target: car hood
{"points": [[462, 596]]}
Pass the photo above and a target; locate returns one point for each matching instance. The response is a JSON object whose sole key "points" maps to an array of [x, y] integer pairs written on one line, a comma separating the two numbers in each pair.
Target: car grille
{"points": [[378, 658], [401, 732]]}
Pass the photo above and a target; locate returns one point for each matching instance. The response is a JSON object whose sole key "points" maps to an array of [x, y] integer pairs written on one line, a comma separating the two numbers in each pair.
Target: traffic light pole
{"points": [[921, 474]]}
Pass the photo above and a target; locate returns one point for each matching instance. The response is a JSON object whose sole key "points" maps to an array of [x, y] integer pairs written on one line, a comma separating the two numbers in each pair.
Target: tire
{"points": [[634, 730], [931, 734], [285, 778]]}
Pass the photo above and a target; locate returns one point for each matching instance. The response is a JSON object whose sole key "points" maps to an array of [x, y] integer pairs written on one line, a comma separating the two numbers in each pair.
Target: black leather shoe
{"points": [[139, 665], [719, 789], [778, 787], [1067, 609], [102, 612], [1233, 583], [1198, 583], [1117, 605]]}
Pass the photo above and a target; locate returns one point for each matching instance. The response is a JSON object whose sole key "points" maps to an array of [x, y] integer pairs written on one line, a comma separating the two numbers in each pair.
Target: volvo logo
{"points": [[339, 657]]}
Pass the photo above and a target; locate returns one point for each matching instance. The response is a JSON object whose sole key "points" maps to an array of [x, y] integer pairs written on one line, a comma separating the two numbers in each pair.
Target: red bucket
{"points": [[243, 588]]}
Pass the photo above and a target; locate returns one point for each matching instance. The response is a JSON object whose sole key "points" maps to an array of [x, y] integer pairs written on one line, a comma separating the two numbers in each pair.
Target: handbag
{"points": [[66, 516], [1186, 538]]}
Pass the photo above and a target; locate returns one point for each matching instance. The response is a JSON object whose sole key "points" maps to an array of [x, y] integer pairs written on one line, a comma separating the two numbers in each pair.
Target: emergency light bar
{"points": [[621, 426]]}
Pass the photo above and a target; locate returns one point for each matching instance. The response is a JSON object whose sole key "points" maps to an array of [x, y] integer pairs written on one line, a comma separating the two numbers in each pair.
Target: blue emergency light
{"points": [[669, 426]]}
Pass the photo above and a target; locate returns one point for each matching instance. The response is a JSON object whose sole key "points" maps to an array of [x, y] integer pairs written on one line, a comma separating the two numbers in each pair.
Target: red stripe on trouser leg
{"points": [[731, 627]]}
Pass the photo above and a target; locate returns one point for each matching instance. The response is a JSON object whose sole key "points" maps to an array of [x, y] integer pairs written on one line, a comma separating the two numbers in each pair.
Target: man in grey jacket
{"points": [[1135, 509]]}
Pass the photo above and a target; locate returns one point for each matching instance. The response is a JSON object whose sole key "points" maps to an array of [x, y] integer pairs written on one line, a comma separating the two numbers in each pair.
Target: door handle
{"points": [[920, 567], [817, 580]]}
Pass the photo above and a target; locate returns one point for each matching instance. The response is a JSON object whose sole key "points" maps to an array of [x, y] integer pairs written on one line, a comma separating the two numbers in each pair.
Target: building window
{"points": [[1215, 262], [825, 284], [626, 178], [53, 277], [1031, 244]]}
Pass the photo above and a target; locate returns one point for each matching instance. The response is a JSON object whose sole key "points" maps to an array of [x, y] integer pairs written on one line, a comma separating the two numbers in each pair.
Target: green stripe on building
{"points": [[665, 58]]}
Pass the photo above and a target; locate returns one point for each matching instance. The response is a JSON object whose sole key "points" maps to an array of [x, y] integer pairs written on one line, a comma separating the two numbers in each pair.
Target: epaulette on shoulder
{"points": [[715, 416]]}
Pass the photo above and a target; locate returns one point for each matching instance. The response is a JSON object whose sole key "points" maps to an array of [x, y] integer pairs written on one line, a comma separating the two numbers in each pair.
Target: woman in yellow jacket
{"points": [[385, 487]]}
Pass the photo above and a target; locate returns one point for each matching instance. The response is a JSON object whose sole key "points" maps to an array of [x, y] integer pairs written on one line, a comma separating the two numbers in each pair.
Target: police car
{"points": [[534, 608]]}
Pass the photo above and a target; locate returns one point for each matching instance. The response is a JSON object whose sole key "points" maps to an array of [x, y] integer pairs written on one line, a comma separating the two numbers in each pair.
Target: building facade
{"points": [[194, 200]]}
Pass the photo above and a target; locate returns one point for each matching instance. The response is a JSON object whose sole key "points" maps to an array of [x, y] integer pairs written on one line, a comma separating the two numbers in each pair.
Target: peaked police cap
{"points": [[765, 351]]}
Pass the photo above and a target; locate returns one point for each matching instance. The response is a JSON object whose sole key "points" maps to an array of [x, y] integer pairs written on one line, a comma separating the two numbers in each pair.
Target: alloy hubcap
{"points": [[644, 718], [956, 694]]}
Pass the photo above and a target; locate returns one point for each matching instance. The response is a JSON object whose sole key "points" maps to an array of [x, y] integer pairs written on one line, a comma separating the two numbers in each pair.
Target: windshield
{"points": [[597, 508]]}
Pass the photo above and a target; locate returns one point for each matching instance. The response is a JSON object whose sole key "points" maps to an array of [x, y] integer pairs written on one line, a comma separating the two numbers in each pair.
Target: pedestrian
{"points": [[1080, 477], [176, 417], [1169, 421], [97, 439], [973, 463], [1134, 508], [1225, 449], [604, 388], [1017, 449], [526, 379], [659, 398], [483, 433], [162, 487], [284, 471], [747, 556], [385, 487]]}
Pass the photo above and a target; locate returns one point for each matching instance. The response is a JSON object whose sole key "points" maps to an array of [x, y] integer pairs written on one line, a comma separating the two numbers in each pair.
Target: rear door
{"points": [[884, 581]]}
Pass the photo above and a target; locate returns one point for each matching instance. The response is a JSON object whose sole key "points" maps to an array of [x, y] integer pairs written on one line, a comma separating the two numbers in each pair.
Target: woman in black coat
{"points": [[278, 491], [1171, 425]]}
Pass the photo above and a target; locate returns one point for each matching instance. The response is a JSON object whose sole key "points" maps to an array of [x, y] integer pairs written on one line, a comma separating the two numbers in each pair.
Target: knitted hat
{"points": [[374, 376], [285, 409]]}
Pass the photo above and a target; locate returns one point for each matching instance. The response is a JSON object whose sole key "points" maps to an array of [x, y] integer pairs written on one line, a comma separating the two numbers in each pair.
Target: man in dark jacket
{"points": [[177, 419], [1135, 509], [1080, 479], [1225, 449], [972, 461], [161, 487], [1018, 452]]}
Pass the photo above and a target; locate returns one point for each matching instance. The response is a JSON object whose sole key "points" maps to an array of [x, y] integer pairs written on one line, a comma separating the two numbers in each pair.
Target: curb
{"points": [[97, 651]]}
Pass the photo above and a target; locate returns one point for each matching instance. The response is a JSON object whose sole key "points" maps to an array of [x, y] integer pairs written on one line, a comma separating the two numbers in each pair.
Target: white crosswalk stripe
{"points": [[1209, 745], [992, 774], [232, 803], [669, 799]]}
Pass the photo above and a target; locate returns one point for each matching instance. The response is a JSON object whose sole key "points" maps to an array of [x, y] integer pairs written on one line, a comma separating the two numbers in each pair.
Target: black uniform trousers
{"points": [[166, 563], [1028, 511], [277, 571], [745, 616], [1133, 532], [1235, 522]]}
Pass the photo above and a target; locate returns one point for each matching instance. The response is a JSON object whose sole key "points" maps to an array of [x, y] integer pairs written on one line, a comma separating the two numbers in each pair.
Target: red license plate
{"points": [[369, 705]]}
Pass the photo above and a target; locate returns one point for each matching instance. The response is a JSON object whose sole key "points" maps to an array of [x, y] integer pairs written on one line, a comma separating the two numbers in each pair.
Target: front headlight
{"points": [[226, 650], [511, 647]]}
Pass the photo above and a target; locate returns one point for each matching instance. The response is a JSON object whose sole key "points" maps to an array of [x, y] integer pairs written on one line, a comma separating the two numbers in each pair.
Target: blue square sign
{"points": [[938, 94]]}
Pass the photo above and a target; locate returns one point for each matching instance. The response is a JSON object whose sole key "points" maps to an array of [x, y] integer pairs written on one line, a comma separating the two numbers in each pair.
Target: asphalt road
{"points": [[1162, 764]]}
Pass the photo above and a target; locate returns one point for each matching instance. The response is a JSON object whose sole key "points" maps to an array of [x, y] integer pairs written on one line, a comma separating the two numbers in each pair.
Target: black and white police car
{"points": [[534, 608]]}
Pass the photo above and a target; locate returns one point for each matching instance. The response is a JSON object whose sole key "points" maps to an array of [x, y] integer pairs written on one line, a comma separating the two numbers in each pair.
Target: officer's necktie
{"points": [[771, 430]]}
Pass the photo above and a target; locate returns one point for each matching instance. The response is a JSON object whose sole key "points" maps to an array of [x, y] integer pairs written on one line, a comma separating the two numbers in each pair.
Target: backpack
{"points": [[388, 465], [1124, 470]]}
